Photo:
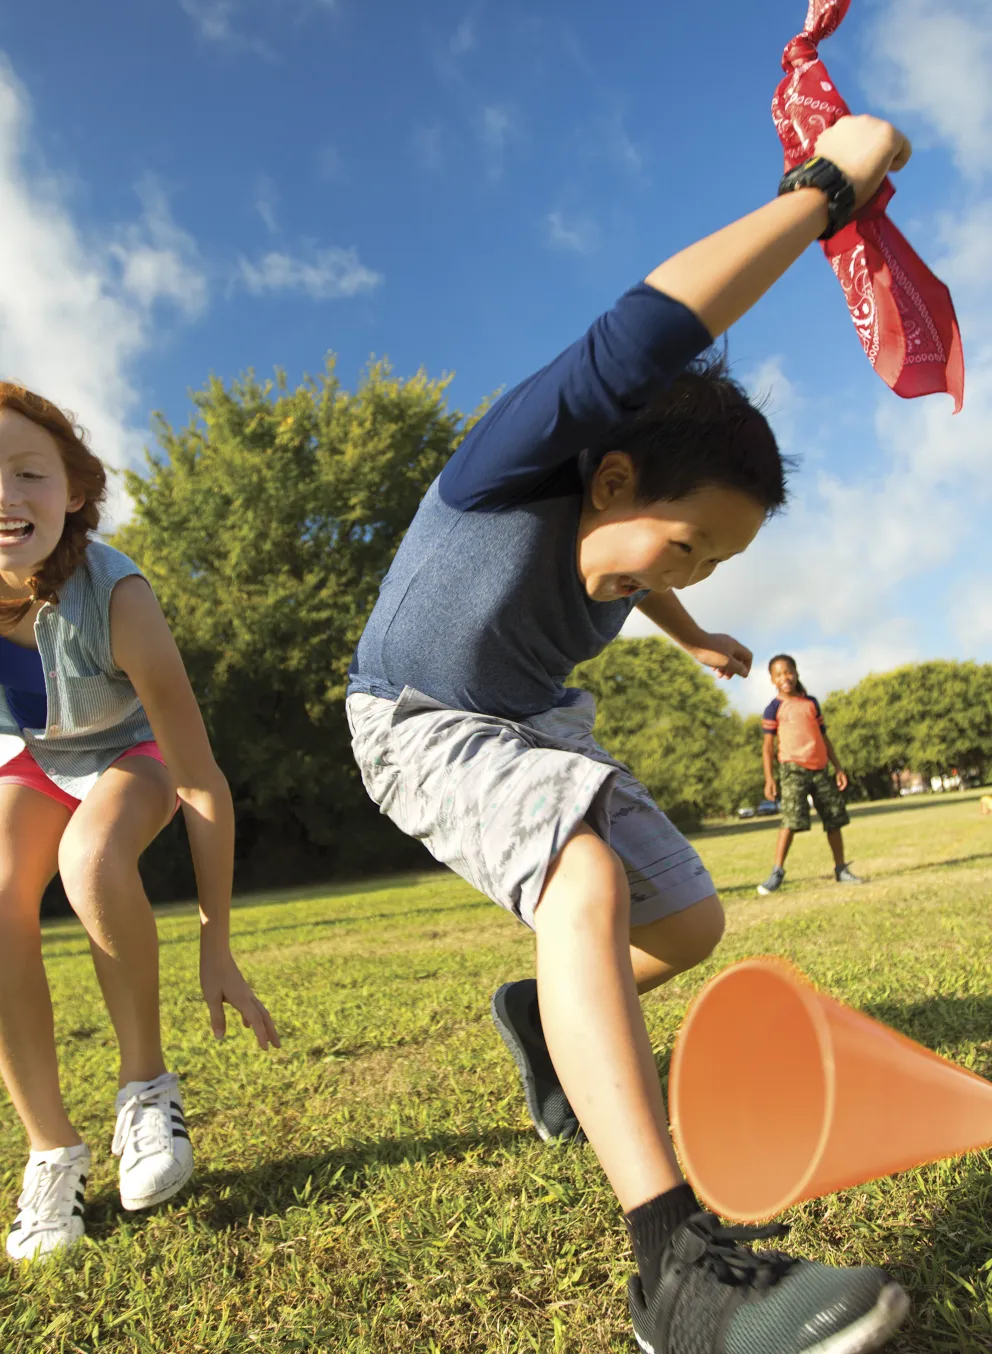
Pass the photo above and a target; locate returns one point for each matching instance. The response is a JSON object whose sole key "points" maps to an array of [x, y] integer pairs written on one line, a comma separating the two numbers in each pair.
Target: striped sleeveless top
{"points": [[93, 710]]}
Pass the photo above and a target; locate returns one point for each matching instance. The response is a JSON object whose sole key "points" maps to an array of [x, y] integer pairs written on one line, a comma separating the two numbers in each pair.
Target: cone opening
{"points": [[752, 1090]]}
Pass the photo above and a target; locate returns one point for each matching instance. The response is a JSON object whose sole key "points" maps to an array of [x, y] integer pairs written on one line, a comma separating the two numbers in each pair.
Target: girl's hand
{"points": [[842, 781], [771, 790], [724, 654], [221, 981]]}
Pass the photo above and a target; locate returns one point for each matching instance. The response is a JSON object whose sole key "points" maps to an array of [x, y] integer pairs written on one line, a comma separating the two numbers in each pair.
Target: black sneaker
{"points": [[518, 1019], [715, 1296]]}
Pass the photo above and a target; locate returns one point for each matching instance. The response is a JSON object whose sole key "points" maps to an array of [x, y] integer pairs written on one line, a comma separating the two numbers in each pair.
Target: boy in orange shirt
{"points": [[804, 753]]}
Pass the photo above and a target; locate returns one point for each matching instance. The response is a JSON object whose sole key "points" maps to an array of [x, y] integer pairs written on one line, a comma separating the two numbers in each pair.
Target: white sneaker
{"points": [[50, 1208], [151, 1141]]}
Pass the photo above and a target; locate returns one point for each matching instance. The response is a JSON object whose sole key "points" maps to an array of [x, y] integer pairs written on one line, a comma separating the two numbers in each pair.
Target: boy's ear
{"points": [[614, 481]]}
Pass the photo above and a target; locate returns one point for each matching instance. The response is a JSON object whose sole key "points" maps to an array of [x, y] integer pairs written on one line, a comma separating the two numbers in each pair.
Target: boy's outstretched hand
{"points": [[724, 654], [222, 981], [866, 149]]}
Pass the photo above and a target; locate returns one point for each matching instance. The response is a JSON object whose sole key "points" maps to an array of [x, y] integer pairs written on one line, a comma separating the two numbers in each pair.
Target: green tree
{"points": [[265, 529], [665, 717], [933, 718]]}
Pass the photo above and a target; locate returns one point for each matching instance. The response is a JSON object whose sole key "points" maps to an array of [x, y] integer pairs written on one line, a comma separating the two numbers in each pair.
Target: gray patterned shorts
{"points": [[496, 800]]}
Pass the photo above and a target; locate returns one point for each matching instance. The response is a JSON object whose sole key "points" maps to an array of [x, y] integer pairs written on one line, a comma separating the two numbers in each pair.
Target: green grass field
{"points": [[375, 1186]]}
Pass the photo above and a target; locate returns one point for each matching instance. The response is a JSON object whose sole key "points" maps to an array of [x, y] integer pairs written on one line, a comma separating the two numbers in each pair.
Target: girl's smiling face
{"points": [[784, 677], [35, 497]]}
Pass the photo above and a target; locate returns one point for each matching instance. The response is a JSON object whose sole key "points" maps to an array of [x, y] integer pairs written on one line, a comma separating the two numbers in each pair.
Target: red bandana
{"points": [[903, 314]]}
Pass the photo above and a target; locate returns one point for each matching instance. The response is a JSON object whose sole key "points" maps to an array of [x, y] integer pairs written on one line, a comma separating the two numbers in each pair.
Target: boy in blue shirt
{"points": [[621, 473]]}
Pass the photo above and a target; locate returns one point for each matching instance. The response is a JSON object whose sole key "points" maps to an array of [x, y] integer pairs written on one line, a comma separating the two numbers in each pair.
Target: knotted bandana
{"points": [[903, 314]]}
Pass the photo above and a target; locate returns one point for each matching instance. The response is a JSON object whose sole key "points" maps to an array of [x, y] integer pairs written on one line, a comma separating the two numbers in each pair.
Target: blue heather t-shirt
{"points": [[483, 607]]}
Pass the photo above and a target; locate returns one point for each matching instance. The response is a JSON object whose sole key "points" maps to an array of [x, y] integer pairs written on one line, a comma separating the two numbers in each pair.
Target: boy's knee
{"points": [[587, 879], [705, 924]]}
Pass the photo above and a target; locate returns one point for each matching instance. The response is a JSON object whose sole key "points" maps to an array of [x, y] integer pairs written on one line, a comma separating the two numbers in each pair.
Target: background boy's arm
{"points": [[720, 278], [723, 653], [144, 648], [768, 760]]}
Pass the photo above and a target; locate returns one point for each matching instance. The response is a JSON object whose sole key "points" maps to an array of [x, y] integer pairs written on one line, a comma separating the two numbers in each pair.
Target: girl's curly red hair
{"points": [[86, 475]]}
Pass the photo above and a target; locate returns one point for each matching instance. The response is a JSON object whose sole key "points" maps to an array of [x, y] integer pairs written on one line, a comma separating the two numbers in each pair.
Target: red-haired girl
{"points": [[109, 741]]}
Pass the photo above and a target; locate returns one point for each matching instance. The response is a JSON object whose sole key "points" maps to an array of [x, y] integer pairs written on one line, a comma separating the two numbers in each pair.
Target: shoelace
{"points": [[48, 1194], [148, 1116], [720, 1249]]}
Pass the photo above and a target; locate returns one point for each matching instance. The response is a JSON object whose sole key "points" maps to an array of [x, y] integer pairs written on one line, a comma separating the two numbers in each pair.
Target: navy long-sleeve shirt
{"points": [[483, 607]]}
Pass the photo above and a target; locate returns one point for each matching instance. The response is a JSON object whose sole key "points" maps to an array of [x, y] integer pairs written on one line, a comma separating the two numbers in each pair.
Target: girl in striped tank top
{"points": [[102, 740]]}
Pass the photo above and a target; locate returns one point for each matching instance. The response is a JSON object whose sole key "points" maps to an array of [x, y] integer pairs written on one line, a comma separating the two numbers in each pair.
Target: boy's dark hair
{"points": [[702, 429], [788, 658]]}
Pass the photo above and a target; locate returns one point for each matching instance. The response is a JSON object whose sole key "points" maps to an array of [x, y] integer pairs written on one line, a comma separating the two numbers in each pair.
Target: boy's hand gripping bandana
{"points": [[903, 314]]}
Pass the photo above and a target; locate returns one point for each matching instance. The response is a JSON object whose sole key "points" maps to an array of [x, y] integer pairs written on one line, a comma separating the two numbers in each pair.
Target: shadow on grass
{"points": [[220, 1199]]}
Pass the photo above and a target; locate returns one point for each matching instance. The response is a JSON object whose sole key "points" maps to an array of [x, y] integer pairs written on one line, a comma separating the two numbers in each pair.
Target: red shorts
{"points": [[24, 770]]}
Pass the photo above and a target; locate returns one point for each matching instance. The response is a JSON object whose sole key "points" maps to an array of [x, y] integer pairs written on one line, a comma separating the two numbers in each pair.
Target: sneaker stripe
{"points": [[180, 1133]]}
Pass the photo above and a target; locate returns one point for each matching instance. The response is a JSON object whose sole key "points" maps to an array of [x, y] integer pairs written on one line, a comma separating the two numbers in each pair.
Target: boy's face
{"points": [[784, 677], [624, 546]]}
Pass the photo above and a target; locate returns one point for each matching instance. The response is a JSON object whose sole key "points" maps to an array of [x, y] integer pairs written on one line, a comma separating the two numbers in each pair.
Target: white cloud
{"points": [[972, 612], [265, 203], [933, 61], [77, 312], [580, 234], [158, 260], [326, 275], [620, 149]]}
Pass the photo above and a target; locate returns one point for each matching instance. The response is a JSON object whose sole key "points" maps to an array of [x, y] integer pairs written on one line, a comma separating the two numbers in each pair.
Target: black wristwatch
{"points": [[824, 174]]}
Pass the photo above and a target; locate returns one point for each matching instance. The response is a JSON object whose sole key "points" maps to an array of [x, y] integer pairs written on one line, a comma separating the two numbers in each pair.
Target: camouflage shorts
{"points": [[795, 783]]}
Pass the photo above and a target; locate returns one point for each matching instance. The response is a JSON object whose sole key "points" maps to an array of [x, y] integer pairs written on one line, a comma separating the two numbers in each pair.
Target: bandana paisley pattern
{"points": [[903, 314]]}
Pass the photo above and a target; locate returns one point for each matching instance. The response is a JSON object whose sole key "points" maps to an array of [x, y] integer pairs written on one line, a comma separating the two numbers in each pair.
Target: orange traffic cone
{"points": [[778, 1093]]}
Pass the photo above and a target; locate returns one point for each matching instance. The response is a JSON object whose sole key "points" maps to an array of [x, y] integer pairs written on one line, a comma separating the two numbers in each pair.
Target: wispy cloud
{"points": [[329, 162], [78, 311], [580, 234], [499, 126], [226, 22], [158, 260], [463, 39], [428, 146], [265, 203], [933, 61], [322, 275]]}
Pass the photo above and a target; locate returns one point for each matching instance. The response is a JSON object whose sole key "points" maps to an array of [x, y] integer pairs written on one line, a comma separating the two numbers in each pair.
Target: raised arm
{"points": [[726, 655], [721, 277]]}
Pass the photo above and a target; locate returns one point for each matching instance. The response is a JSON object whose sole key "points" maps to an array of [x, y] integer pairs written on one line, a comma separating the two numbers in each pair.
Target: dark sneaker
{"points": [[518, 1019], [845, 875], [773, 881], [716, 1296]]}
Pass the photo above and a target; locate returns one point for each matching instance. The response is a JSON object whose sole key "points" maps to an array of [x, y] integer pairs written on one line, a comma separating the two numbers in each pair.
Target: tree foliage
{"points": [[666, 718], [932, 718], [265, 527]]}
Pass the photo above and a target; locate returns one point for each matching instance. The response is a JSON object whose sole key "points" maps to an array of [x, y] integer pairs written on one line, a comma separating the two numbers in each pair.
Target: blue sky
{"points": [[197, 186]]}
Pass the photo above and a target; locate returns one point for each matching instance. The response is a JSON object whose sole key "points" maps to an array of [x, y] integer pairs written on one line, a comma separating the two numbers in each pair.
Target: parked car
{"points": [[766, 807]]}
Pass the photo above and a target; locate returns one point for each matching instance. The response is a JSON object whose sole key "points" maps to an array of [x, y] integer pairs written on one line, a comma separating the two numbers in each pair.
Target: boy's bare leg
{"points": [[785, 837], [675, 944], [592, 1019], [836, 840]]}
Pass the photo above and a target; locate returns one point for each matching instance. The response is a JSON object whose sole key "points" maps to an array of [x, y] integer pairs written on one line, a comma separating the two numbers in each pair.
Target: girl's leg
{"points": [[98, 859], [785, 837], [836, 840], [31, 825], [592, 1019]]}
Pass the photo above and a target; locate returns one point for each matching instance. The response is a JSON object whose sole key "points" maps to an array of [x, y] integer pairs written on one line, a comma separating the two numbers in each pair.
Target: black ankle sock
{"points": [[651, 1224]]}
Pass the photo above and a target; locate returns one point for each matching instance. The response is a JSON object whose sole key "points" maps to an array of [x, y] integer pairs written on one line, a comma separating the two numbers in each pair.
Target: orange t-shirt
{"points": [[798, 722]]}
